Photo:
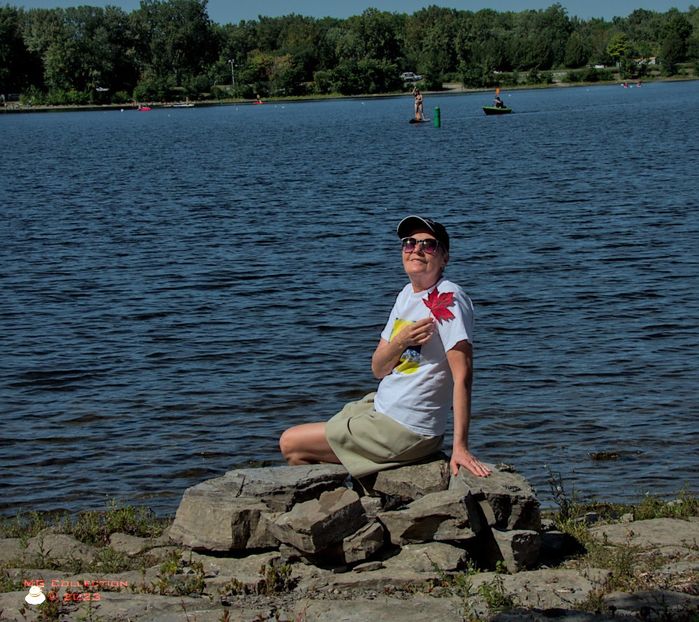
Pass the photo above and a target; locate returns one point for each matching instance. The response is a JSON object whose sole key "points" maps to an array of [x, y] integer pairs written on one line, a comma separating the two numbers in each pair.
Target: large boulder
{"points": [[319, 514], [221, 524], [506, 500], [232, 512]]}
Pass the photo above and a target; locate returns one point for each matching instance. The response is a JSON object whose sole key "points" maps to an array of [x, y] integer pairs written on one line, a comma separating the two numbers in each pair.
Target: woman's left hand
{"points": [[463, 457]]}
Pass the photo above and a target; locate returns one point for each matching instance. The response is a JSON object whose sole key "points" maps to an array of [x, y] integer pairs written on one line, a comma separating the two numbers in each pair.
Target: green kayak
{"points": [[496, 110]]}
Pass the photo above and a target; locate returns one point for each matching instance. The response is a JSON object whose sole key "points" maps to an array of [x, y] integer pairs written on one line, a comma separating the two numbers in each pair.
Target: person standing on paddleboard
{"points": [[419, 105]]}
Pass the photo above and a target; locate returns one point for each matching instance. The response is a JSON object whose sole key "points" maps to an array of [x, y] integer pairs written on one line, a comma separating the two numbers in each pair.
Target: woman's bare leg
{"points": [[306, 444]]}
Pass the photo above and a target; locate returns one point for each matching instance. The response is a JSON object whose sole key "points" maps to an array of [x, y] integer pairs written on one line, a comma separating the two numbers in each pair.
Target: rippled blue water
{"points": [[181, 285]]}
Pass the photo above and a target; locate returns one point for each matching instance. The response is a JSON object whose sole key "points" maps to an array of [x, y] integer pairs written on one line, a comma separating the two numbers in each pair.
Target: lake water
{"points": [[179, 286]]}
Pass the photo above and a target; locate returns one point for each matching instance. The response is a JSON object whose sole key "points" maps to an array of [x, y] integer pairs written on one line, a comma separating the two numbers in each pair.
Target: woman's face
{"points": [[424, 269]]}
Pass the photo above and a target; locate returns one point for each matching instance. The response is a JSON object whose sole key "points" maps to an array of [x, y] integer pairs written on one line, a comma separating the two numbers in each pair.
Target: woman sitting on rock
{"points": [[424, 360]]}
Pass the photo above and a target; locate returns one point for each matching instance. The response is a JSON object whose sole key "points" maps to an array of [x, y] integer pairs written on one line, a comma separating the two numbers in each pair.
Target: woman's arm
{"points": [[387, 353], [460, 359]]}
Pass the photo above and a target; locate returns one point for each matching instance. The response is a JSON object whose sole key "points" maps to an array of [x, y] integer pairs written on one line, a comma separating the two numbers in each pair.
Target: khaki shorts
{"points": [[366, 441]]}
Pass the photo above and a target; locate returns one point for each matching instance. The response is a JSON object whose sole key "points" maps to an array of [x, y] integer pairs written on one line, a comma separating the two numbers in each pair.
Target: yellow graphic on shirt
{"points": [[409, 361]]}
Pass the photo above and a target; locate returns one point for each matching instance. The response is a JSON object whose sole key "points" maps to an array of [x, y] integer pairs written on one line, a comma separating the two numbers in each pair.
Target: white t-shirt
{"points": [[419, 391]]}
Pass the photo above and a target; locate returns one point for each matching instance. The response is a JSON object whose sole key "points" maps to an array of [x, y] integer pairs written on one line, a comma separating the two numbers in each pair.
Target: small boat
{"points": [[496, 110], [144, 108]]}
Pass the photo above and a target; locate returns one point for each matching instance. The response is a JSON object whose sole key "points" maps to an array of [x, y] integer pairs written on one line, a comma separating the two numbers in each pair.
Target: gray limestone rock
{"points": [[665, 533], [363, 543], [429, 557], [313, 526], [414, 481], [220, 524], [657, 605], [519, 548], [130, 545], [232, 512], [11, 549], [58, 547], [511, 502], [417, 609], [438, 516]]}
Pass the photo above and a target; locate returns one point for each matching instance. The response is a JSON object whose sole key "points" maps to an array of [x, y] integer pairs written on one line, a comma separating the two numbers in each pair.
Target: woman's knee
{"points": [[287, 444], [305, 444]]}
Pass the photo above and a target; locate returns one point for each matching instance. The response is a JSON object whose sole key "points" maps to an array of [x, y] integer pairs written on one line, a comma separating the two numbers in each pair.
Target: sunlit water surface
{"points": [[181, 285]]}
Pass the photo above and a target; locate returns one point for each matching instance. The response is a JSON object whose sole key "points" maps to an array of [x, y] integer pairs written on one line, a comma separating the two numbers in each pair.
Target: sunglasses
{"points": [[429, 246]]}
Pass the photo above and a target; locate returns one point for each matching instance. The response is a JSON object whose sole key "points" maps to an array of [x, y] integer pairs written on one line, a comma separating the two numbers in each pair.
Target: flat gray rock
{"points": [[655, 604], [652, 533], [381, 609], [415, 480]]}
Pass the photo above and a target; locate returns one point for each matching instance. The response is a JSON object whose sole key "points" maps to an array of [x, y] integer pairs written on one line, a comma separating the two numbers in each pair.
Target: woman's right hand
{"points": [[388, 353], [415, 334]]}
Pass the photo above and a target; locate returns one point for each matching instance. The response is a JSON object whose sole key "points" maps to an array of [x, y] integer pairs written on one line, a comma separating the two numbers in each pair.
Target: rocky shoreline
{"points": [[307, 544]]}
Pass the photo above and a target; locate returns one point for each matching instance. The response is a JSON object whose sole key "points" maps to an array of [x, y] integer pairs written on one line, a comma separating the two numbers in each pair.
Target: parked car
{"points": [[409, 76]]}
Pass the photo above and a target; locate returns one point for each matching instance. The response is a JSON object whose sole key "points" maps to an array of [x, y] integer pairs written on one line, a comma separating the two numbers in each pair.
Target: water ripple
{"points": [[179, 289]]}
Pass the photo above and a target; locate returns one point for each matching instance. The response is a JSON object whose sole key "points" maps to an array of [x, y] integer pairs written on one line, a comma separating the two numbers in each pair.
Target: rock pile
{"points": [[322, 516]]}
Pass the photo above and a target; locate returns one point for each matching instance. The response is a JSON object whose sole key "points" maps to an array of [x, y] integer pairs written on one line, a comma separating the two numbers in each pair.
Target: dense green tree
{"points": [[236, 41], [693, 40], [477, 76], [346, 44], [541, 38], [644, 30], [83, 48], [365, 76], [430, 42], [175, 38], [170, 48], [376, 35], [301, 39], [19, 67], [286, 77], [674, 46], [256, 75], [578, 51], [619, 49]]}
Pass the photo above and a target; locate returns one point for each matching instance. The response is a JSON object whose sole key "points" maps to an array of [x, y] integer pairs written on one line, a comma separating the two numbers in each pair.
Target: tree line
{"points": [[171, 49]]}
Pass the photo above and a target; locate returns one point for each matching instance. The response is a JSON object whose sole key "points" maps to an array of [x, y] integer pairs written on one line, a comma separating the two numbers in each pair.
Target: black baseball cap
{"points": [[411, 223]]}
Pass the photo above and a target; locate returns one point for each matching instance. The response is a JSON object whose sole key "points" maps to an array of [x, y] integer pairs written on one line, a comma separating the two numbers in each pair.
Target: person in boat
{"points": [[498, 102], [424, 361], [419, 105]]}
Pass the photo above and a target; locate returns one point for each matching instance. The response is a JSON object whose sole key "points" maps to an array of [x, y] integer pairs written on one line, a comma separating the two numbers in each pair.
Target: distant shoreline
{"points": [[450, 89]]}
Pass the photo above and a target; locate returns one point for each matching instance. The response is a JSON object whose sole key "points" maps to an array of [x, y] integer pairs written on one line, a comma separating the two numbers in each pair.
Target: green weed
{"points": [[110, 561], [275, 579], [494, 595], [177, 578], [91, 526]]}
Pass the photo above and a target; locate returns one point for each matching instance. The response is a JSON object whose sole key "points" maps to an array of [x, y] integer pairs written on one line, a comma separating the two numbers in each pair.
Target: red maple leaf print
{"points": [[438, 303]]}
